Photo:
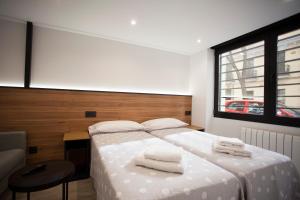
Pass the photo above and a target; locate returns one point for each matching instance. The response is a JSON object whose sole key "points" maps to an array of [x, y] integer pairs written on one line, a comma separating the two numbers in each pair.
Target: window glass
{"points": [[241, 79], [256, 108], [233, 106], [288, 75]]}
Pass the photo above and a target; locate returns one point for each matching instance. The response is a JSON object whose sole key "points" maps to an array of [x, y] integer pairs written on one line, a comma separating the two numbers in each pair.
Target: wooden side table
{"points": [[55, 172], [197, 128], [77, 150]]}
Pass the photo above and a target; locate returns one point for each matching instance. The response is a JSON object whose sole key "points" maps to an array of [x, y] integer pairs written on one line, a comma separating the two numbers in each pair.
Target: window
{"points": [[243, 83], [281, 96], [250, 93], [288, 75], [257, 75]]}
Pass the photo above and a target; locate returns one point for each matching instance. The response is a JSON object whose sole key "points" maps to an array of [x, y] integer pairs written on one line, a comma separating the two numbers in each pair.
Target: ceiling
{"points": [[172, 25]]}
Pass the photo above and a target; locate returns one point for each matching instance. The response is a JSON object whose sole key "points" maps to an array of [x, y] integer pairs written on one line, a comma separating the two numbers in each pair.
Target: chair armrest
{"points": [[12, 140]]}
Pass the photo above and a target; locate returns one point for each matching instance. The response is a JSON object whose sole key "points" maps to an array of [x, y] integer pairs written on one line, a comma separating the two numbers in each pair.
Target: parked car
{"points": [[257, 108]]}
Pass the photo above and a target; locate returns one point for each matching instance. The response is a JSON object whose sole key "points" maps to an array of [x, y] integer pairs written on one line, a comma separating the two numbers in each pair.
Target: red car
{"points": [[257, 108]]}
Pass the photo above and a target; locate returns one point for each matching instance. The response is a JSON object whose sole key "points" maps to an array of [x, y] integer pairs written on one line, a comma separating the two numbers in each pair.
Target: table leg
{"points": [[67, 190], [63, 191], [13, 195], [28, 195]]}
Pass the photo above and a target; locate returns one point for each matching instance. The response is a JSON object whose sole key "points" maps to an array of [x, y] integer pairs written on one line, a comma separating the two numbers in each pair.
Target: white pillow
{"points": [[115, 126], [163, 123]]}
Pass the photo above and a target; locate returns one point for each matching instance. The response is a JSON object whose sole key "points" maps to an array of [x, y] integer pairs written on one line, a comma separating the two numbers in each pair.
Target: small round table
{"points": [[56, 172]]}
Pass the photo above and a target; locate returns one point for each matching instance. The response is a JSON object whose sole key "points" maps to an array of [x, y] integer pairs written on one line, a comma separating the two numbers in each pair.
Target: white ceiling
{"points": [[172, 25]]}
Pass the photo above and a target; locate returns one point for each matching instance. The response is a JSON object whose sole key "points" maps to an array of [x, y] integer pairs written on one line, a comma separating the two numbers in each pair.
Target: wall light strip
{"points": [[2, 84], [97, 89]]}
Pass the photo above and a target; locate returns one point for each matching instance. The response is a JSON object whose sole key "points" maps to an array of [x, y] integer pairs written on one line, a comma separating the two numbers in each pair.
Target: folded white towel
{"points": [[140, 160], [231, 150], [167, 154], [230, 142]]}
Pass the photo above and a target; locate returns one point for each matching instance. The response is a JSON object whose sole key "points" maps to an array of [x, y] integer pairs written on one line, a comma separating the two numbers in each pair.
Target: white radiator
{"points": [[279, 142]]}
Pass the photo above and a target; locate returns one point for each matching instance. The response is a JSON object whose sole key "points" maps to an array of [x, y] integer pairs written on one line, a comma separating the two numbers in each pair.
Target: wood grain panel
{"points": [[47, 114]]}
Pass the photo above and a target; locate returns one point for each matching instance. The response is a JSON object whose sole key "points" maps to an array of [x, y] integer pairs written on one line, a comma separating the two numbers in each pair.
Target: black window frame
{"points": [[269, 35]]}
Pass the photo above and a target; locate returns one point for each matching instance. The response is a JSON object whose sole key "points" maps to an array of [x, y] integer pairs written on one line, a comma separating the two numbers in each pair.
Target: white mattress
{"points": [[116, 177]]}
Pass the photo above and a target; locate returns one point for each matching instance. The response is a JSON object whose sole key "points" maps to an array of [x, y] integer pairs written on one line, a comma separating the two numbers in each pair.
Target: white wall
{"points": [[197, 87], [202, 88], [12, 53], [72, 61]]}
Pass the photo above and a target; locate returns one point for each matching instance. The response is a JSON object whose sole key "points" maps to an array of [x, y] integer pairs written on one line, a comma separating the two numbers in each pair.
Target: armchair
{"points": [[12, 155]]}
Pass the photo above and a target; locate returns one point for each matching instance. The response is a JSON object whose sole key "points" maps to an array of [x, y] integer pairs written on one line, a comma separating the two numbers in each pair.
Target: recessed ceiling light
{"points": [[133, 22], [198, 41]]}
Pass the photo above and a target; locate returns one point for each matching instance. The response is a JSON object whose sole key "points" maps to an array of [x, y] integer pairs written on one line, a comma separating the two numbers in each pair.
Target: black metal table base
{"points": [[65, 192]]}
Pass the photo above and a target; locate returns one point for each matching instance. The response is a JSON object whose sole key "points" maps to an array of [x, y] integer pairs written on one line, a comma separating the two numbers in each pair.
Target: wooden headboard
{"points": [[47, 114]]}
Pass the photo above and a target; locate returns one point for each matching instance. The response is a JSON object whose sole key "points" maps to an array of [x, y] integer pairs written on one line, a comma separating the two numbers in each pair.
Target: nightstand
{"points": [[197, 128], [77, 150]]}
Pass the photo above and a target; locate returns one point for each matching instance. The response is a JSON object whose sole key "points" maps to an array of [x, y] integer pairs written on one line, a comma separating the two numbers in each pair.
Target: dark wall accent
{"points": [[28, 53]]}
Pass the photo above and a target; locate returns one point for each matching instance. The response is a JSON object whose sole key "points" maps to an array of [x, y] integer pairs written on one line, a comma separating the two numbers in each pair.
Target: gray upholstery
{"points": [[10, 159], [12, 155], [12, 140]]}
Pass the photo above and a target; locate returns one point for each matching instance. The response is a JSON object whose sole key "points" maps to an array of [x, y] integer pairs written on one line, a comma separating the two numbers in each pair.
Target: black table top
{"points": [[55, 173]]}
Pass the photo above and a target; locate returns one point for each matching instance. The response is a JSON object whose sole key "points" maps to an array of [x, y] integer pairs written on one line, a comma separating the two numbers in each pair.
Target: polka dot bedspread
{"points": [[266, 175], [116, 176]]}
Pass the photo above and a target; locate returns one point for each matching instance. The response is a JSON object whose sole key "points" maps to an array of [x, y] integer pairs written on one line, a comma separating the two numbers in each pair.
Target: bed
{"points": [[115, 175], [266, 175]]}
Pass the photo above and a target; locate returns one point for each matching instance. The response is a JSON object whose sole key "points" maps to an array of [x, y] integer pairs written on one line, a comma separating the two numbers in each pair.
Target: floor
{"points": [[78, 190]]}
